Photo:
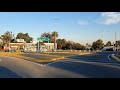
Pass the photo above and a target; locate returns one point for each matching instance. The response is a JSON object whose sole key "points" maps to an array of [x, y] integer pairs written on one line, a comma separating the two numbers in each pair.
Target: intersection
{"points": [[98, 65]]}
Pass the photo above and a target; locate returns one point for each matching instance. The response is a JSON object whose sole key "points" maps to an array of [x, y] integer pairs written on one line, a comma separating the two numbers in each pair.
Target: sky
{"points": [[80, 27]]}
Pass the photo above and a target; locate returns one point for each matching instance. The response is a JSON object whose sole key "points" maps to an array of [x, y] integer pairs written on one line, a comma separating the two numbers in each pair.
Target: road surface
{"points": [[99, 65]]}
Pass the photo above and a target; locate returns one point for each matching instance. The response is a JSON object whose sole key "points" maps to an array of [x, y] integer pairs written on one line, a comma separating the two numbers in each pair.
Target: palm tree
{"points": [[54, 35]]}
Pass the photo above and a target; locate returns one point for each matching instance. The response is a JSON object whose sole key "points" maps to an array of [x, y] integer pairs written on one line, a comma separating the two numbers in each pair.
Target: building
{"points": [[49, 46], [15, 46], [46, 47], [30, 47], [20, 40]]}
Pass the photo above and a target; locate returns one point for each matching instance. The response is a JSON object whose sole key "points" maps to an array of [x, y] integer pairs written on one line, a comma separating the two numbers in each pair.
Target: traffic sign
{"points": [[43, 39]]}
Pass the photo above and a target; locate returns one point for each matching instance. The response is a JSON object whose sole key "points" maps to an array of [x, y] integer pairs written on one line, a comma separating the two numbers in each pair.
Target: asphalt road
{"points": [[99, 65]]}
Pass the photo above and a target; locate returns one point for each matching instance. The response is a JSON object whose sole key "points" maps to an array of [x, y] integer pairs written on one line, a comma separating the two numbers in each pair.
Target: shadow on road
{"points": [[101, 57], [87, 69], [6, 73]]}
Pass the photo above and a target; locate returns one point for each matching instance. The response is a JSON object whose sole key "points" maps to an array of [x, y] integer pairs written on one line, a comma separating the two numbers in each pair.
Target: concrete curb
{"points": [[58, 58], [115, 58]]}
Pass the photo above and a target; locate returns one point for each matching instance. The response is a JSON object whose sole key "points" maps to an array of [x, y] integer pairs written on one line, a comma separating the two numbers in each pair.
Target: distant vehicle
{"points": [[13, 50], [21, 50]]}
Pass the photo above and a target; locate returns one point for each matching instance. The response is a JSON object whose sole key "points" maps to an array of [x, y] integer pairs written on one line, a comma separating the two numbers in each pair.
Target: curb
{"points": [[115, 58], [58, 58], [85, 53]]}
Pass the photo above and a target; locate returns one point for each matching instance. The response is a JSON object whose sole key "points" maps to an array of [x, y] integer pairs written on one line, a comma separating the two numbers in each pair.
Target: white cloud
{"points": [[109, 18], [81, 22]]}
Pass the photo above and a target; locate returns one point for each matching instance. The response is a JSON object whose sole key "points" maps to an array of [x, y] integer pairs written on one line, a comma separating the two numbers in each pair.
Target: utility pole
{"points": [[55, 42], [9, 46], [115, 41], [38, 46], [103, 37]]}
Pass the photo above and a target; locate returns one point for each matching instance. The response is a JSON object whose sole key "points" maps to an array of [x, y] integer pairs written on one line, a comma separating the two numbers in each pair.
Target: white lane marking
{"points": [[29, 61], [109, 57], [46, 64], [0, 60], [35, 63]]}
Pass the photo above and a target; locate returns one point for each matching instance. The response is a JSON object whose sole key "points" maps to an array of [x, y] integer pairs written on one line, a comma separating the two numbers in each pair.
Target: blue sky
{"points": [[81, 27]]}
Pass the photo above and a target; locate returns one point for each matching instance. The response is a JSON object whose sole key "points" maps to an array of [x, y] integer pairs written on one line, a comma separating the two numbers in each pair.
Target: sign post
{"points": [[41, 39]]}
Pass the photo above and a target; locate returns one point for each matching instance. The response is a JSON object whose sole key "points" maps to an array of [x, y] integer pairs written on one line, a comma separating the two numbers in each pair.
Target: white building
{"points": [[47, 47], [20, 40], [30, 47]]}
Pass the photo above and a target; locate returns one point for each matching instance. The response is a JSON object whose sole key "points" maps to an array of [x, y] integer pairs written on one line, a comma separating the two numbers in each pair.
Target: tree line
{"points": [[61, 43]]}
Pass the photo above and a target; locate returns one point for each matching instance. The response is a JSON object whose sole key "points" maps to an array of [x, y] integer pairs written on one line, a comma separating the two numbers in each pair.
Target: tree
{"points": [[88, 45], [69, 45], [13, 41], [46, 35], [7, 37], [117, 43], [53, 35], [77, 46], [25, 36], [1, 45], [59, 44], [97, 45], [50, 35], [64, 42], [108, 44]]}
